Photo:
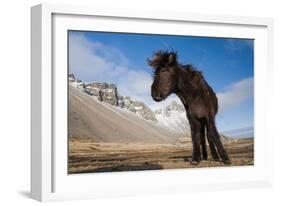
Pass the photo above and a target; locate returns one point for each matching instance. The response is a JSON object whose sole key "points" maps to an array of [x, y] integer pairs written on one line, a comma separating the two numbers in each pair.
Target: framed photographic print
{"points": [[136, 102]]}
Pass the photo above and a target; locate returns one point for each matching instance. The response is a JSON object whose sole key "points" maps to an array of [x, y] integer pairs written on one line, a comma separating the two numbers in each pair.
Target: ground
{"points": [[86, 155]]}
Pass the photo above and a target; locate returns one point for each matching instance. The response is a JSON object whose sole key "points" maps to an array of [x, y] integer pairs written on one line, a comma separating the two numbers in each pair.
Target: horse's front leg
{"points": [[195, 136], [203, 141]]}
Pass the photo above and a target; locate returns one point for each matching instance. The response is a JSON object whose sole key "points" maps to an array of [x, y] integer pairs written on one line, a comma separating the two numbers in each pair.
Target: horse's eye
{"points": [[164, 69]]}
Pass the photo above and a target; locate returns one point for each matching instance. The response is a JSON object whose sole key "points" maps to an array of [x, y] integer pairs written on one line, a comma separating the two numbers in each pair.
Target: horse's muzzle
{"points": [[157, 98]]}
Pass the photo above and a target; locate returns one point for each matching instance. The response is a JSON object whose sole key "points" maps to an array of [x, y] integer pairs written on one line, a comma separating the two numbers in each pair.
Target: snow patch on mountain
{"points": [[173, 117]]}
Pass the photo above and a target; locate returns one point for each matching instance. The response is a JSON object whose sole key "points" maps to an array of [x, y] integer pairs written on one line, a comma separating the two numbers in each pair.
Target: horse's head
{"points": [[164, 64]]}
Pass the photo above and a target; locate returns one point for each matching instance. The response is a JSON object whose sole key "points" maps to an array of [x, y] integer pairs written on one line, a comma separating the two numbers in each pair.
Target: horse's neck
{"points": [[184, 87], [182, 98]]}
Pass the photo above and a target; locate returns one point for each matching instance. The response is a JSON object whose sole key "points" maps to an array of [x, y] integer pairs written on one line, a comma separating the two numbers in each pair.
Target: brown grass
{"points": [[87, 155]]}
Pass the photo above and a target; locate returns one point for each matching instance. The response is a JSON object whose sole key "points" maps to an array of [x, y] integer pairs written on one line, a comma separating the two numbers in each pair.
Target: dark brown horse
{"points": [[198, 98]]}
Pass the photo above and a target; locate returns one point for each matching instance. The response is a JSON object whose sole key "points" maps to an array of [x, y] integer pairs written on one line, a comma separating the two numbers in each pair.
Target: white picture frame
{"points": [[49, 179]]}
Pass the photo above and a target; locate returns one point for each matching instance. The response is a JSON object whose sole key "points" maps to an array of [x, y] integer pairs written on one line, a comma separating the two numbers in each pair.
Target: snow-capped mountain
{"points": [[173, 118]]}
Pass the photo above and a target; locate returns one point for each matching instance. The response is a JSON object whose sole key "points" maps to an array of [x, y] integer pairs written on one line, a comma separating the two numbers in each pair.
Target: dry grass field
{"points": [[88, 156]]}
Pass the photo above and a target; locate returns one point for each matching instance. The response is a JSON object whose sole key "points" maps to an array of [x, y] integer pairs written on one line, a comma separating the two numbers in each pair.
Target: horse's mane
{"points": [[195, 75], [198, 81]]}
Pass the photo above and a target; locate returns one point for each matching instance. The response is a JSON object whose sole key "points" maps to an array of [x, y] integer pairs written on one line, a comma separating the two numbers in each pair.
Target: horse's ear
{"points": [[172, 58], [151, 62]]}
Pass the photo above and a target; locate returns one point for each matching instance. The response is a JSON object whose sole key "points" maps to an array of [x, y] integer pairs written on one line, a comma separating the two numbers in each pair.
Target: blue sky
{"points": [[227, 64]]}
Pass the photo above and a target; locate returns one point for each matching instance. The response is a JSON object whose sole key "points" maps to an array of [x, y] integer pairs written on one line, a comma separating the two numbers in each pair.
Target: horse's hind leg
{"points": [[214, 135], [212, 146], [203, 141]]}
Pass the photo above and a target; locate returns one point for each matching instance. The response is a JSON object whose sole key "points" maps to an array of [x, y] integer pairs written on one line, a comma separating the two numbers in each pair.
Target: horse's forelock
{"points": [[162, 57]]}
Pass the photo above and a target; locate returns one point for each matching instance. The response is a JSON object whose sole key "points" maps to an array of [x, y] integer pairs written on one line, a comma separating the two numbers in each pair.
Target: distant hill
{"points": [[90, 118]]}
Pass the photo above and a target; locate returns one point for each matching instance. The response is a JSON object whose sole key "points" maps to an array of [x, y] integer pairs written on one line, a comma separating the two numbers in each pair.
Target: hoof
{"points": [[227, 162], [216, 159], [195, 162], [205, 158]]}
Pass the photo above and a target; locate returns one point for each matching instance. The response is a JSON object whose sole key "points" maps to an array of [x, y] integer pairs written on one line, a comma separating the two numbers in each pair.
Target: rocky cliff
{"points": [[108, 93]]}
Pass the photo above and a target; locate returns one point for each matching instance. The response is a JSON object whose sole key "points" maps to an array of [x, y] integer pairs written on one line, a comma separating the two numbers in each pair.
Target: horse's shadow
{"points": [[187, 158]]}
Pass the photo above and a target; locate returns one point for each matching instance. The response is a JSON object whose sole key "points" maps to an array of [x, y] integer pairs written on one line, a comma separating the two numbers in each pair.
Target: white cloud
{"points": [[235, 94], [84, 62], [93, 61]]}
